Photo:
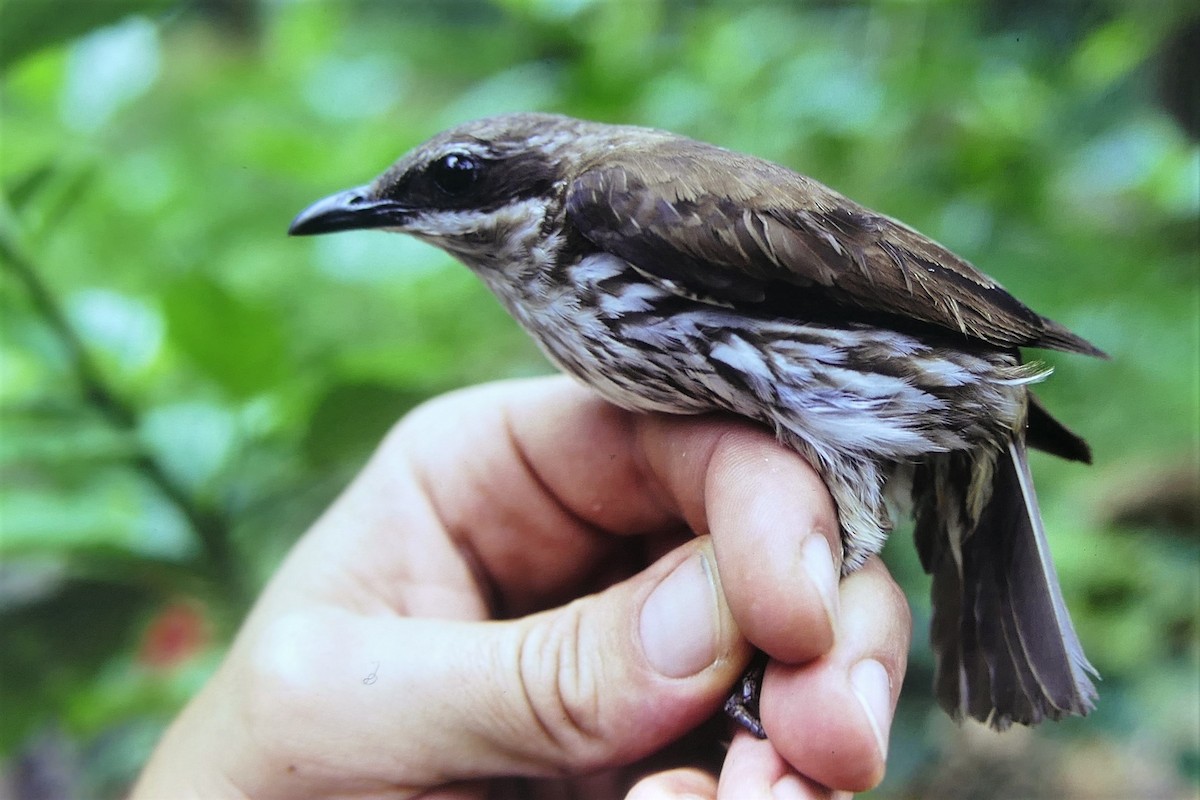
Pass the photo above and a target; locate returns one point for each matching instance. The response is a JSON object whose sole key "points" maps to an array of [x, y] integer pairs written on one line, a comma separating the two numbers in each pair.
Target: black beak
{"points": [[351, 210]]}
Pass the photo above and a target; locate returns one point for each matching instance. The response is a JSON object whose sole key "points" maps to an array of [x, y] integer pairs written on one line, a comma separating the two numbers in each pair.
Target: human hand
{"points": [[632, 559]]}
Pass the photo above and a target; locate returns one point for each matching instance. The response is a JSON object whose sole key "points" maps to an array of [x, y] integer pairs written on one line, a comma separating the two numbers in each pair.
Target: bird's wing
{"points": [[737, 230]]}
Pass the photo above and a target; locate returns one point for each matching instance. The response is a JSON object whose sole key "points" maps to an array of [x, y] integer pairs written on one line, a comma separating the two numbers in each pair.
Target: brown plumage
{"points": [[764, 233], [677, 276]]}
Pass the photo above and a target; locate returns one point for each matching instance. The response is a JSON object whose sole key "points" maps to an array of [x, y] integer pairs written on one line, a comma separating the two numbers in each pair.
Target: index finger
{"points": [[541, 480], [773, 523]]}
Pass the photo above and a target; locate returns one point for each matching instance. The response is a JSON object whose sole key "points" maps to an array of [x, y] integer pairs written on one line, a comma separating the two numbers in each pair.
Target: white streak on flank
{"points": [[812, 383], [632, 298], [1023, 374], [739, 354], [944, 372]]}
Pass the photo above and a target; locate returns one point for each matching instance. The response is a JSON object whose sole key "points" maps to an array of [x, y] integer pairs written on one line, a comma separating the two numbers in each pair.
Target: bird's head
{"points": [[478, 190]]}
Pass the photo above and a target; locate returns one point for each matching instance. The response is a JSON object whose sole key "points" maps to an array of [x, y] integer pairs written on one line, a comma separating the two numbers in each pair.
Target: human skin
{"points": [[527, 592]]}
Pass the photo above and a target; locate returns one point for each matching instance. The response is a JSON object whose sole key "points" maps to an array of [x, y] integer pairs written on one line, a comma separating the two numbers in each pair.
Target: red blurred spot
{"points": [[175, 634]]}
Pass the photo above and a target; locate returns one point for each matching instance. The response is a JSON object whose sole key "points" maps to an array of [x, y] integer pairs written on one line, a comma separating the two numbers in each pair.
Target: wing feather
{"points": [[769, 236]]}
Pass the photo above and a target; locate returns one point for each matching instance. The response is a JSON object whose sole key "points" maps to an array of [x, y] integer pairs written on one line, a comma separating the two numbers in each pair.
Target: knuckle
{"points": [[276, 683], [559, 686]]}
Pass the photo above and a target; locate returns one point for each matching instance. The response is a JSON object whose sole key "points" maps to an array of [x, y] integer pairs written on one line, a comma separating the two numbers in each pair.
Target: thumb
{"points": [[604, 680], [601, 681]]}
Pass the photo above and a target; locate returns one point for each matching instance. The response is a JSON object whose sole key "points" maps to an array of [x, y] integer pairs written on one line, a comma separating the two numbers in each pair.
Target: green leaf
{"points": [[114, 511], [351, 418], [58, 439], [25, 186], [192, 441], [125, 329], [240, 345], [51, 647], [30, 25]]}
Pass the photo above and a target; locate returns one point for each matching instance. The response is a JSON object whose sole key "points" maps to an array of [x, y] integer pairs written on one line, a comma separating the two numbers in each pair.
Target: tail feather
{"points": [[1005, 646], [1046, 433], [1009, 678], [1039, 613]]}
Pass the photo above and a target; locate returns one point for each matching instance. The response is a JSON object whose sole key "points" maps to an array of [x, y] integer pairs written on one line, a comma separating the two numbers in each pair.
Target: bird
{"points": [[675, 276]]}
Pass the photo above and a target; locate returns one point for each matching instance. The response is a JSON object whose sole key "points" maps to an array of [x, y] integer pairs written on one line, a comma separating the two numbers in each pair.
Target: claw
{"points": [[742, 705]]}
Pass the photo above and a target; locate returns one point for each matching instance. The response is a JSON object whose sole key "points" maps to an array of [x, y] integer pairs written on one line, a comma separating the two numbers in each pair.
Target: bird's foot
{"points": [[742, 705]]}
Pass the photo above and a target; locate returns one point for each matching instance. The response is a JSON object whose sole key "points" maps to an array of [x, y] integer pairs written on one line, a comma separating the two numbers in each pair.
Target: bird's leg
{"points": [[742, 705]]}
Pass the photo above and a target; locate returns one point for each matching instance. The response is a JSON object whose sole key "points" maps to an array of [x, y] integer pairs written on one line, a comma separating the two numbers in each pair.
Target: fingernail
{"points": [[818, 563], [680, 624], [873, 687], [789, 787]]}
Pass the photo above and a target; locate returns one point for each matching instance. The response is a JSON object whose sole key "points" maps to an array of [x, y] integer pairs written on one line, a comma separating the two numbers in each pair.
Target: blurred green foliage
{"points": [[183, 388]]}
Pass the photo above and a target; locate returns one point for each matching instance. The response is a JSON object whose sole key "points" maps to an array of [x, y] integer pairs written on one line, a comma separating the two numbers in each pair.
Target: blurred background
{"points": [[183, 388]]}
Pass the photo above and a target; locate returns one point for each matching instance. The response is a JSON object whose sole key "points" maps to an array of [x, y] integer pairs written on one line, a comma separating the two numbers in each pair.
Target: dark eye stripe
{"points": [[494, 182], [503, 180], [516, 177]]}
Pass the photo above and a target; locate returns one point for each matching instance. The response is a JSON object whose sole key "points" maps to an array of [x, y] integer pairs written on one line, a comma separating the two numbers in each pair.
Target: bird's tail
{"points": [[1006, 650]]}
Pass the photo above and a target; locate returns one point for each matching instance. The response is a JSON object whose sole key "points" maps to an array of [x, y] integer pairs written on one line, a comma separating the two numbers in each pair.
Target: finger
{"points": [[773, 522], [753, 770], [507, 508], [603, 681], [676, 784], [830, 718], [473, 506], [537, 482], [535, 478], [775, 532]]}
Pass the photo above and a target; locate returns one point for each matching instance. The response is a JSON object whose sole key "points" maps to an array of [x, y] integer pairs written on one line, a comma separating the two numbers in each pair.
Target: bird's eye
{"points": [[455, 173]]}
